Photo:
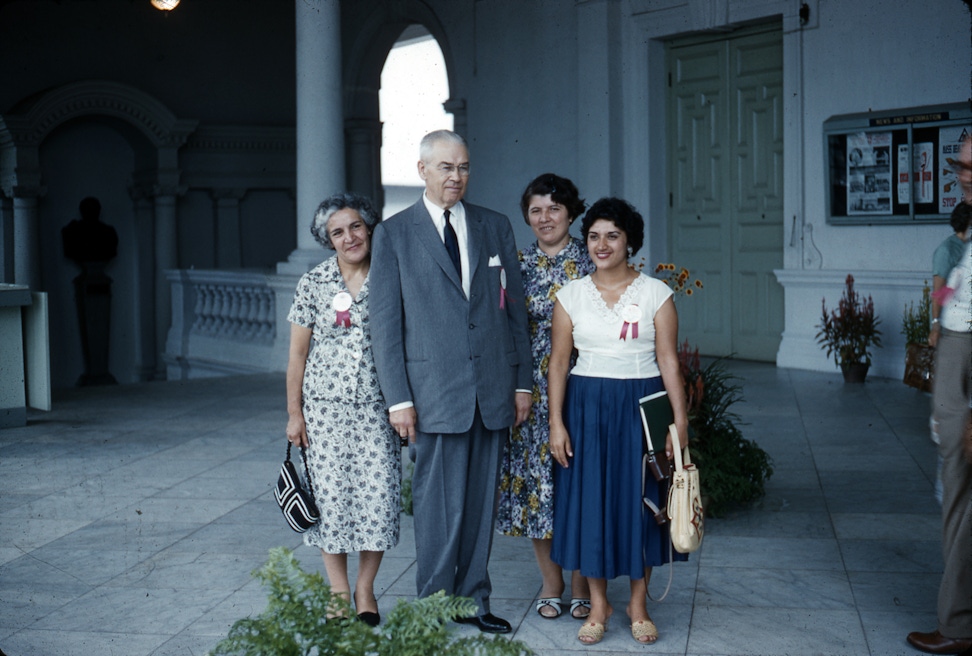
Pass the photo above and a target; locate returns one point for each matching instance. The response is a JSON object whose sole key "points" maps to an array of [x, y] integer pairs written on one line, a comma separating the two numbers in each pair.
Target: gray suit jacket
{"points": [[432, 345]]}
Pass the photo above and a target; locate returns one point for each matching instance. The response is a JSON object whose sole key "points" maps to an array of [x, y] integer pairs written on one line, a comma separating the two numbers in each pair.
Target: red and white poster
{"points": [[949, 190], [924, 169]]}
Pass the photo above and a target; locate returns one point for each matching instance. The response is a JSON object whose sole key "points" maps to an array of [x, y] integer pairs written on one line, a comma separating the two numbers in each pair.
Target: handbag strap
{"points": [[303, 457], [681, 459], [676, 448], [648, 503], [644, 423], [671, 574]]}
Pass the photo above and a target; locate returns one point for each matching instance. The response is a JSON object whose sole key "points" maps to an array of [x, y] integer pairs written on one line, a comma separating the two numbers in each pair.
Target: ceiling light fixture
{"points": [[165, 5]]}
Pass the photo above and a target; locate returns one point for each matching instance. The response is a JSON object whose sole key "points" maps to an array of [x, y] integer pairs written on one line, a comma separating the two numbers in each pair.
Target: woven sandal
{"points": [[578, 603], [644, 631], [591, 633], [550, 602]]}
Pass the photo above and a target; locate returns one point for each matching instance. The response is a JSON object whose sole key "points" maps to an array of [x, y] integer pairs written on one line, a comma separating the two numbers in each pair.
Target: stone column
{"points": [[364, 157], [228, 242], [26, 237], [166, 257], [6, 240], [320, 148], [320, 122]]}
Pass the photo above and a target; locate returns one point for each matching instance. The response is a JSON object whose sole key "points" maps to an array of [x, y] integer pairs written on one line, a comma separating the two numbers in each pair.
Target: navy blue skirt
{"points": [[599, 526]]}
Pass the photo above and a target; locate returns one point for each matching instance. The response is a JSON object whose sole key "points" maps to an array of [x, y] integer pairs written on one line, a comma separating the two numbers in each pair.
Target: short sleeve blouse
{"points": [[340, 364], [946, 256], [606, 344]]}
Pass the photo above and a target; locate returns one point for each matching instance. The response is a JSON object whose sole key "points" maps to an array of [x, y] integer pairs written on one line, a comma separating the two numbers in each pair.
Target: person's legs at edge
{"points": [[364, 587], [336, 568]]}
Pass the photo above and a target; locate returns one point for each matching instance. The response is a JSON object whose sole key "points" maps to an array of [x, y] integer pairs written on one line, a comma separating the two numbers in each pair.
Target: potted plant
{"points": [[732, 469], [849, 331], [919, 354]]}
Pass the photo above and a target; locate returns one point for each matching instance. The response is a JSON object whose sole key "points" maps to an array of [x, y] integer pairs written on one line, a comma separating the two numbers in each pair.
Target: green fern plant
{"points": [[293, 623]]}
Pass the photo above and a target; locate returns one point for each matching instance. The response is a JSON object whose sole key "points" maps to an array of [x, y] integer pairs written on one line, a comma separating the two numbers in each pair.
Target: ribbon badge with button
{"points": [[342, 306], [631, 315], [503, 294]]}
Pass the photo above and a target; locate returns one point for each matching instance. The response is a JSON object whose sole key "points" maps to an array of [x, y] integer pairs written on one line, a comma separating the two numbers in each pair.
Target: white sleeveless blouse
{"points": [[598, 329]]}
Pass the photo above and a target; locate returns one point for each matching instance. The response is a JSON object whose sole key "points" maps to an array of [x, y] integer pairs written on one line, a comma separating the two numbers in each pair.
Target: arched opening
{"points": [[414, 86]]}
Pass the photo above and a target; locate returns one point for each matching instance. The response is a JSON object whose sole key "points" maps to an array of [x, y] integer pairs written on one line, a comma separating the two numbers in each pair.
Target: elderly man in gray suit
{"points": [[452, 349]]}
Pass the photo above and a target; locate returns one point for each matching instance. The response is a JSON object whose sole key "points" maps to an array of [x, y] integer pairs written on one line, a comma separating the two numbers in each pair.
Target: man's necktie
{"points": [[452, 244]]}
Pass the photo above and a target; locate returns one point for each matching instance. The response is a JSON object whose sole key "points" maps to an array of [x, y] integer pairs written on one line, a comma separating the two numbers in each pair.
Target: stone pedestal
{"points": [[92, 295]]}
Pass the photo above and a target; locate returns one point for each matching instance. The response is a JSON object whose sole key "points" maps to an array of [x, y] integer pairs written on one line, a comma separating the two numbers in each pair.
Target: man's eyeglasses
{"points": [[449, 169]]}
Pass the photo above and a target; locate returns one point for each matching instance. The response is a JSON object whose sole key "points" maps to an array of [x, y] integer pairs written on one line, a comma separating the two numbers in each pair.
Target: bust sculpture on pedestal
{"points": [[92, 245]]}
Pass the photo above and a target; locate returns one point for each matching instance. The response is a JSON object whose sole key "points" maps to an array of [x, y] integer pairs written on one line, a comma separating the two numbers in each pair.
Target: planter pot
{"points": [[854, 372], [919, 366]]}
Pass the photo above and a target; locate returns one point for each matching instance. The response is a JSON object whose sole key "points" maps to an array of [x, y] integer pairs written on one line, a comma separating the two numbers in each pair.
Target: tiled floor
{"points": [[131, 517]]}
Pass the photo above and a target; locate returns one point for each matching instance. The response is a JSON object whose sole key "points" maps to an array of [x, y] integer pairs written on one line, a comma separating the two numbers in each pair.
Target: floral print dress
{"points": [[353, 453], [526, 483]]}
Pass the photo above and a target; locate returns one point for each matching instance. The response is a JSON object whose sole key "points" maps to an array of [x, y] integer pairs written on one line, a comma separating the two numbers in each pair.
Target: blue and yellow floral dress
{"points": [[526, 484]]}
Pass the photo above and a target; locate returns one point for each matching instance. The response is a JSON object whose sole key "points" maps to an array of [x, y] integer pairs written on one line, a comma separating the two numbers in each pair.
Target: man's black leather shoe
{"points": [[487, 623]]}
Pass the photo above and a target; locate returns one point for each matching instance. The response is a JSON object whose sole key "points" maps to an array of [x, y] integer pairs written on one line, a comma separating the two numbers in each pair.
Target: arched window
{"points": [[414, 84]]}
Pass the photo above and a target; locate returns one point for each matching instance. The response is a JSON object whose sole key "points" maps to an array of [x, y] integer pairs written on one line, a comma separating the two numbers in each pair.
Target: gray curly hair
{"points": [[336, 203]]}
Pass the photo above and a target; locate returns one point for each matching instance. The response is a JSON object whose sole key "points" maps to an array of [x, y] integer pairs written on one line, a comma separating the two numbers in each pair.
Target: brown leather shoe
{"points": [[936, 643]]}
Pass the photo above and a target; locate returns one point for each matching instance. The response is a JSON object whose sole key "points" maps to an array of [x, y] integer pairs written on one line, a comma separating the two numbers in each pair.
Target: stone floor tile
{"points": [[776, 553], [774, 588], [36, 642], [790, 631]]}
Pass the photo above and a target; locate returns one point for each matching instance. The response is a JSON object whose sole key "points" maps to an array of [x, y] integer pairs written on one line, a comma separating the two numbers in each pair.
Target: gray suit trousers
{"points": [[950, 403], [454, 496]]}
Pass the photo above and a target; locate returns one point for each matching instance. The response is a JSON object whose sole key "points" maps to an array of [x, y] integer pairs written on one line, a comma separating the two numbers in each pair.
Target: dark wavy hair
{"points": [[336, 203], [961, 217], [622, 214], [561, 190]]}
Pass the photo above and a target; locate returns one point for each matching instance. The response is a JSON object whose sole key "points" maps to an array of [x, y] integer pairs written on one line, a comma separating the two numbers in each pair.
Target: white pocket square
{"points": [[494, 261]]}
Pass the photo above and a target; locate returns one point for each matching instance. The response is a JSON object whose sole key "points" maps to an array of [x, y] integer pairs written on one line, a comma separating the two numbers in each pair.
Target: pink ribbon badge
{"points": [[631, 315], [342, 308], [503, 294]]}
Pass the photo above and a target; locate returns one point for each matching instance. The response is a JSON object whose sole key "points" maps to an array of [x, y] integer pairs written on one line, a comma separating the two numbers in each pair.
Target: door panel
{"points": [[726, 168], [699, 191]]}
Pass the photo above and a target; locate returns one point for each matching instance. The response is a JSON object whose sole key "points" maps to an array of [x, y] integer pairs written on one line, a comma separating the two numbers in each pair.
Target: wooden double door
{"points": [[725, 158]]}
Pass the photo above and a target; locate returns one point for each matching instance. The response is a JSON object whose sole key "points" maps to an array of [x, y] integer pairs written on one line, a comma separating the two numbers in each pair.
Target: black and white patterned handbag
{"points": [[297, 504]]}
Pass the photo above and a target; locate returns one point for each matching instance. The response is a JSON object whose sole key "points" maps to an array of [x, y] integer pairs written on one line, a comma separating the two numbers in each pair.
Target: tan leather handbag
{"points": [[685, 513]]}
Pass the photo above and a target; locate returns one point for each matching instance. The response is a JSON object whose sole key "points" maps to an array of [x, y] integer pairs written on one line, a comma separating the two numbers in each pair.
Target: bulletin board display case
{"points": [[896, 166]]}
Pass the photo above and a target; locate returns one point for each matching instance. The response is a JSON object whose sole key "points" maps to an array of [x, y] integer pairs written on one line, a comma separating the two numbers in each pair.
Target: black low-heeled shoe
{"points": [[369, 618]]}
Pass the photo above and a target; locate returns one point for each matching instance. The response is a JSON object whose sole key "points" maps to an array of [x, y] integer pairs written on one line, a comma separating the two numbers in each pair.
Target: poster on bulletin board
{"points": [[869, 173], [949, 190]]}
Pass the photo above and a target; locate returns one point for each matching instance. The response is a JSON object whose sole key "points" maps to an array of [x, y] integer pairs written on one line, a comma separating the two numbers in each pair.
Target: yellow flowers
{"points": [[570, 268], [679, 282]]}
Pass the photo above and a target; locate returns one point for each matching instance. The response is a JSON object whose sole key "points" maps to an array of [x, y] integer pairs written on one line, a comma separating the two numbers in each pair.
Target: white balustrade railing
{"points": [[223, 322], [243, 312]]}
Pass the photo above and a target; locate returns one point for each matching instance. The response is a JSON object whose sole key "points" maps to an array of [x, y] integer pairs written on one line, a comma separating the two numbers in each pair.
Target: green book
{"points": [[656, 417]]}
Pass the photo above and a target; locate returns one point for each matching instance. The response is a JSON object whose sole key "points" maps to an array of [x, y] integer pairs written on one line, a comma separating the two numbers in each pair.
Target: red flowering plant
{"points": [[850, 330]]}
